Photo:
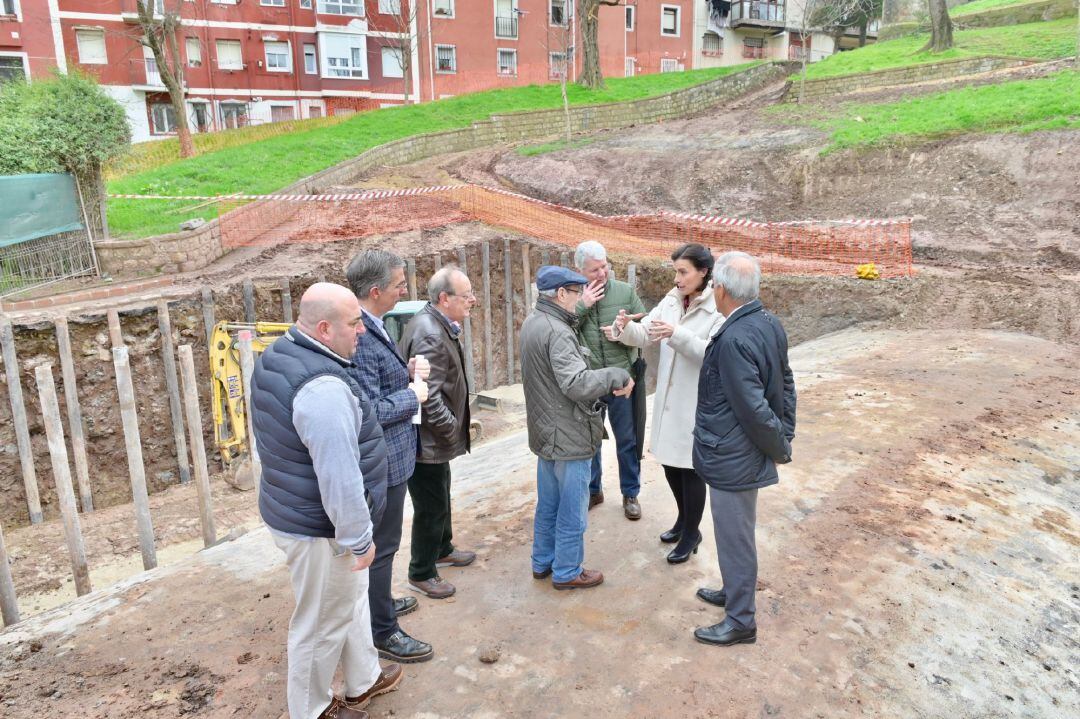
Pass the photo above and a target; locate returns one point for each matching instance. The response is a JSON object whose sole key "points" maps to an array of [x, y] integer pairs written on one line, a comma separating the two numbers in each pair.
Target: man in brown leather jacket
{"points": [[434, 332]]}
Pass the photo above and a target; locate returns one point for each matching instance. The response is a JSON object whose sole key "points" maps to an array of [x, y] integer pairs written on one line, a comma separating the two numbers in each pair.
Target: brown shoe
{"points": [[436, 587], [387, 682], [338, 710], [595, 499], [587, 578], [631, 508], [457, 558]]}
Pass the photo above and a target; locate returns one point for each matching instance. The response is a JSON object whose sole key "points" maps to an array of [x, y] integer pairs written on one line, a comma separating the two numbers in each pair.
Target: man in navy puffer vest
{"points": [[320, 444]]}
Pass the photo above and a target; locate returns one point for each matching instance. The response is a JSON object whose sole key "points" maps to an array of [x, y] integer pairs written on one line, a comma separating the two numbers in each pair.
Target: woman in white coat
{"points": [[679, 327]]}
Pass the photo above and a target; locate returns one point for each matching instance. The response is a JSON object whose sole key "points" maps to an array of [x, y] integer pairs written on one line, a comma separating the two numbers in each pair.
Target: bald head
{"points": [[330, 314]]}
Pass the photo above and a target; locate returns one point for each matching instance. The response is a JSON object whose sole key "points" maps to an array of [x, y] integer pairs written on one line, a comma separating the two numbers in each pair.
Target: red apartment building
{"points": [[255, 61]]}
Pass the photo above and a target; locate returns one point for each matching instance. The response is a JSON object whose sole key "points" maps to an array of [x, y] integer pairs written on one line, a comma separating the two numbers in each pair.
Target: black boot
{"points": [[683, 550]]}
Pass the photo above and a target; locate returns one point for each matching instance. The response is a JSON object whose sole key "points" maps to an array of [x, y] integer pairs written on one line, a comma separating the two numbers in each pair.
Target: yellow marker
{"points": [[869, 271]]}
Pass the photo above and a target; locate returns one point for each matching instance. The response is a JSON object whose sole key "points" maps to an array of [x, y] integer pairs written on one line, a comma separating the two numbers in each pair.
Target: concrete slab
{"points": [[919, 558]]}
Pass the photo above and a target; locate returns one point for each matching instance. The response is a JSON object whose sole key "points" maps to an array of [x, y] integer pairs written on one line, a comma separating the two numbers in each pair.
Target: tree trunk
{"points": [[176, 93], [589, 17], [802, 77], [566, 109], [941, 38], [862, 31]]}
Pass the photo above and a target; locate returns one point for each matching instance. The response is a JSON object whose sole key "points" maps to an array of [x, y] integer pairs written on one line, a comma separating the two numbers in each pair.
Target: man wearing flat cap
{"points": [[565, 426]]}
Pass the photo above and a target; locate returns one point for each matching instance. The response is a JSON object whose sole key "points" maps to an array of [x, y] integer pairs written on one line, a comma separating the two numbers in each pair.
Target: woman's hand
{"points": [[660, 330]]}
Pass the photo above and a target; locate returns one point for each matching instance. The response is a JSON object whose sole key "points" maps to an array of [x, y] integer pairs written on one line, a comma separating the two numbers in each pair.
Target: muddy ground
{"points": [[918, 559]]}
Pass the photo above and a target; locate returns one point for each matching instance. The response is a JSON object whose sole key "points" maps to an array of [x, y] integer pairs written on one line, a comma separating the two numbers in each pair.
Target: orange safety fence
{"points": [[805, 247]]}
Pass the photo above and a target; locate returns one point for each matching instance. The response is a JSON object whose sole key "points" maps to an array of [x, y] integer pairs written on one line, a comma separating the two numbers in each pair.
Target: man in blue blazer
{"points": [[743, 428], [396, 388]]}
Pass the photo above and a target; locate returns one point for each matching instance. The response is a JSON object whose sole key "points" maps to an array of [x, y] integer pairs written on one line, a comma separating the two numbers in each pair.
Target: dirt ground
{"points": [[918, 559]]}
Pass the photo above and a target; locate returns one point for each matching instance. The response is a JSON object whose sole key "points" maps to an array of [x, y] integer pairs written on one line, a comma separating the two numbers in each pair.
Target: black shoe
{"points": [[400, 647], [405, 605], [671, 536], [680, 554], [716, 597], [724, 635]]}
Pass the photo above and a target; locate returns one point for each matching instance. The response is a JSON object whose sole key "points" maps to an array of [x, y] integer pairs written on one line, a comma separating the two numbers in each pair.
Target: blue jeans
{"points": [[562, 509], [620, 412]]}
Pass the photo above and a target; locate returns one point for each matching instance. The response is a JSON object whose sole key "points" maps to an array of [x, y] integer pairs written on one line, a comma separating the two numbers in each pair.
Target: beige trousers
{"points": [[331, 624]]}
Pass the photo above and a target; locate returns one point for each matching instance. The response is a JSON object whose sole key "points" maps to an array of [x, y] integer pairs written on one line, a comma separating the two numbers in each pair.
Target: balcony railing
{"points": [[753, 53], [153, 77], [795, 52], [757, 12], [143, 72], [506, 27]]}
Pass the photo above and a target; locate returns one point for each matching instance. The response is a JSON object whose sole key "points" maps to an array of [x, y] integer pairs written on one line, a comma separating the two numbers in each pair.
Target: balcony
{"points": [[506, 27], [872, 29], [757, 13], [129, 9], [143, 75]]}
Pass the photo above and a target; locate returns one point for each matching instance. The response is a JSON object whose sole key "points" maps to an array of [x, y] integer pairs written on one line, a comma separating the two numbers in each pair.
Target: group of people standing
{"points": [[346, 422]]}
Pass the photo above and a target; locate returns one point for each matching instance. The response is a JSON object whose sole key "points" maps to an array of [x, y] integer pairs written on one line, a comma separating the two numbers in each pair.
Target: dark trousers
{"points": [[387, 538], [689, 492], [620, 412], [429, 488], [734, 520]]}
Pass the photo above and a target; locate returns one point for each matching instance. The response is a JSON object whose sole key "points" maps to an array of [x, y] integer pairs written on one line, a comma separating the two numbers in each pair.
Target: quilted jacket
{"points": [[561, 392], [618, 295]]}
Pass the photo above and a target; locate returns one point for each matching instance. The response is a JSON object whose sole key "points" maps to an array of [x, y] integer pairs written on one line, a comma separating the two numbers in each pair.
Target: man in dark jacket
{"points": [[319, 440], [743, 428], [378, 279], [434, 332], [565, 426]]}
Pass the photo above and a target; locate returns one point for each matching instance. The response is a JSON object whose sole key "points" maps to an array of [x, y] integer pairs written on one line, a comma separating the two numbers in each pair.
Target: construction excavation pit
{"points": [[919, 557]]}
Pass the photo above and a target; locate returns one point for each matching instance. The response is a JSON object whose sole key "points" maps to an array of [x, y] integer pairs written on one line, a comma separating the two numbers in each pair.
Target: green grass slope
{"points": [[1043, 40], [268, 165]]}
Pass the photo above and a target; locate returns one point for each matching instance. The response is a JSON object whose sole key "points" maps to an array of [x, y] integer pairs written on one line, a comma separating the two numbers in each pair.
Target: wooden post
{"points": [[18, 416], [116, 335], [74, 413], [526, 266], [208, 313], [564, 259], [322, 278], [508, 296], [9, 605], [286, 301], [54, 431], [176, 413], [437, 257], [410, 270], [470, 370], [247, 367], [631, 275], [545, 257], [198, 449], [136, 469], [489, 362], [249, 301]]}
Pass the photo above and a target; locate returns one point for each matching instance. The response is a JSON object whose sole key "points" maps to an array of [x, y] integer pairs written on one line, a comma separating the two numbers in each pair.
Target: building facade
{"points": [[249, 62]]}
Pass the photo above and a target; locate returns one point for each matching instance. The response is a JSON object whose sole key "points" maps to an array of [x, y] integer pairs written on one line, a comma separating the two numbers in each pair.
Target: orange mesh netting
{"points": [[811, 247]]}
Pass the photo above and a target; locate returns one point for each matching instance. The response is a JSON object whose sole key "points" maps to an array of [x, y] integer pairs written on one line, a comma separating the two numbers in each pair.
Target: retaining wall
{"points": [[187, 251], [1018, 14]]}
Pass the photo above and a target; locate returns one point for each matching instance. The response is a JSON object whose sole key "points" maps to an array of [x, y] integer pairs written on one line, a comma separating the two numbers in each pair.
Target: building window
{"points": [[557, 65], [558, 12], [390, 7], [194, 51], [12, 67], [343, 55], [508, 62], [282, 113], [229, 56], [393, 64], [9, 7], [278, 57], [342, 7], [305, 4], [234, 115], [91, 44], [669, 20], [273, 3], [311, 65], [445, 58], [753, 48], [164, 118], [201, 116], [631, 12], [314, 111], [669, 64], [443, 8], [711, 44]]}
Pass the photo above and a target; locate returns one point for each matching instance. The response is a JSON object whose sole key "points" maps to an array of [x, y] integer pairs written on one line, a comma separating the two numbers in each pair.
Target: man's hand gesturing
{"points": [[592, 294]]}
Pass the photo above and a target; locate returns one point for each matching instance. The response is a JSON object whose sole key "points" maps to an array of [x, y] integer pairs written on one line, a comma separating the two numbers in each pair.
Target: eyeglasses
{"points": [[578, 291], [465, 295]]}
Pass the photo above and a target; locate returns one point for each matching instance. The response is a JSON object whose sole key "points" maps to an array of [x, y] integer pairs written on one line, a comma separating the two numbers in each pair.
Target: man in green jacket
{"points": [[599, 306]]}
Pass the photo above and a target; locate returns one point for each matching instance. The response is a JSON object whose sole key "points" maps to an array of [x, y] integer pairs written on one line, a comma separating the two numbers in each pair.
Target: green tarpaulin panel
{"points": [[33, 206]]}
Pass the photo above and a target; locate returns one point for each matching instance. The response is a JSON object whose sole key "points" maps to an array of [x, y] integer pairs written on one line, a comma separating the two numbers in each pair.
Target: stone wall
{"points": [[831, 86], [1018, 14], [186, 251]]}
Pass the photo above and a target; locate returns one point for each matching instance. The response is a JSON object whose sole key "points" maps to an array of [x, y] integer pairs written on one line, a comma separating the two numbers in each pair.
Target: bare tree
{"points": [[832, 17], [560, 40], [589, 17], [159, 26], [941, 38], [407, 23]]}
